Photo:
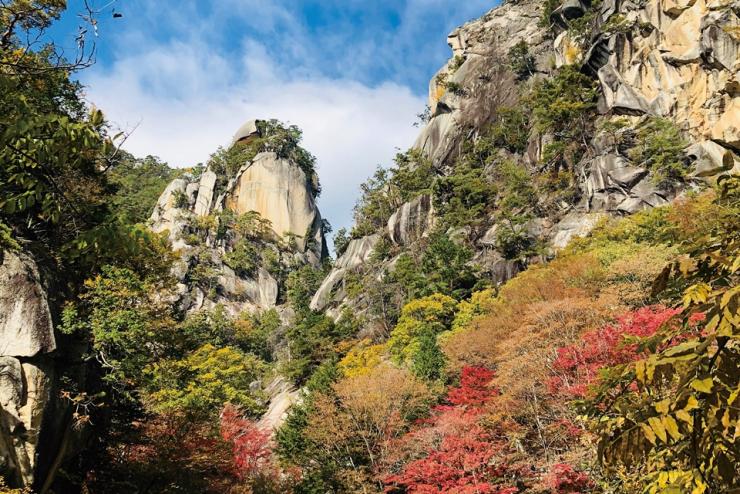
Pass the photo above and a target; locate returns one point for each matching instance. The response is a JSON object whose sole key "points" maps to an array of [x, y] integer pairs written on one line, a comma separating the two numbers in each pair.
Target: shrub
{"points": [[577, 366], [521, 61], [564, 479], [244, 258], [422, 317], [510, 129], [660, 148]]}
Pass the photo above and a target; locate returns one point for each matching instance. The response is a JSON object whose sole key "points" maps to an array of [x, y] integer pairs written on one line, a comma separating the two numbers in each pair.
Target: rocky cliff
{"points": [[237, 234], [663, 61], [26, 372]]}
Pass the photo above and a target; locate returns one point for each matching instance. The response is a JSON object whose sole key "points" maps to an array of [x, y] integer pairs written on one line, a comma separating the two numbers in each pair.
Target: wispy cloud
{"points": [[189, 74]]}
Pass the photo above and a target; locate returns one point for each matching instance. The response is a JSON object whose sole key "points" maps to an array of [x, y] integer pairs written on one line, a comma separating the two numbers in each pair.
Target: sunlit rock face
{"points": [[673, 59], [278, 190]]}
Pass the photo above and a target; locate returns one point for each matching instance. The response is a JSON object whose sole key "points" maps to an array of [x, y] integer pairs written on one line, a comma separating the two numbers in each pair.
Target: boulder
{"points": [[279, 191], [248, 131], [710, 158], [26, 327], [411, 221]]}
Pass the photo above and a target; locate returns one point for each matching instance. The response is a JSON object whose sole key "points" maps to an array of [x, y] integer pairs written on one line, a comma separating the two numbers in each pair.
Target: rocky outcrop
{"points": [[332, 290], [280, 194], [282, 395], [276, 189], [672, 59], [26, 337], [411, 221]]}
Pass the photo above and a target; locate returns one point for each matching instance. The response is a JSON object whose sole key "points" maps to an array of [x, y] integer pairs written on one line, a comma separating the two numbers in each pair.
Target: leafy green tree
{"points": [[564, 106], [138, 184], [521, 61], [341, 241], [127, 326], [199, 384]]}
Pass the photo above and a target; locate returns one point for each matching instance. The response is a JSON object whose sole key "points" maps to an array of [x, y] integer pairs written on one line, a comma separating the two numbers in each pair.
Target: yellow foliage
{"points": [[361, 359], [426, 315]]}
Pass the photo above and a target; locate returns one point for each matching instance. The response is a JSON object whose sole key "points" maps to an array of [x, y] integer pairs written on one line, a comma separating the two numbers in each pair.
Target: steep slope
{"points": [[578, 97]]}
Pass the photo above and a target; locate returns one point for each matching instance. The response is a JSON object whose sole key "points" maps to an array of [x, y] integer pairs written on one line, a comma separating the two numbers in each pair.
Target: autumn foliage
{"points": [[460, 453], [577, 366]]}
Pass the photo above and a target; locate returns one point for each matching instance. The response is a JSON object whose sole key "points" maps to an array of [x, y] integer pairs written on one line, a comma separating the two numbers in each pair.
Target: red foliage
{"points": [[474, 389], [577, 366], [464, 460], [251, 445], [564, 479]]}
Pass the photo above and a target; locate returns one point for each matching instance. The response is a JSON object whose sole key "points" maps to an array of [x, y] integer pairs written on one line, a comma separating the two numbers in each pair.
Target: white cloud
{"points": [[187, 101]]}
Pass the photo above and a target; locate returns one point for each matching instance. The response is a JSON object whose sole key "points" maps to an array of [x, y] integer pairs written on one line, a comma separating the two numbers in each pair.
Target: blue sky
{"points": [[352, 74]]}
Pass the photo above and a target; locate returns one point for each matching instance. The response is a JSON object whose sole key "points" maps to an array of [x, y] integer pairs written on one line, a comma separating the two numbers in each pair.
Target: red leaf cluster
{"points": [[474, 389], [251, 445], [464, 458], [577, 366], [564, 479]]}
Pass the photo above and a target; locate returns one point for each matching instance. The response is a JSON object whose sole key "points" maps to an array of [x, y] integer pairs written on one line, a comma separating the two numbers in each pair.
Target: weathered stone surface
{"points": [[278, 190], [437, 137], [358, 251], [167, 216], [710, 158], [206, 189], [25, 321], [283, 395], [574, 225], [411, 220], [567, 52], [247, 131], [25, 390]]}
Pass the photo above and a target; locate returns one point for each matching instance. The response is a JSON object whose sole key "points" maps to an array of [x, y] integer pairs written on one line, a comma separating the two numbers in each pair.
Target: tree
{"points": [[678, 406]]}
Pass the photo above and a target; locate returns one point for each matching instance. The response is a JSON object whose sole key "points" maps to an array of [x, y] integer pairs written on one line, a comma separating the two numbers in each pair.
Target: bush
{"points": [[244, 258], [660, 149], [199, 384], [521, 61]]}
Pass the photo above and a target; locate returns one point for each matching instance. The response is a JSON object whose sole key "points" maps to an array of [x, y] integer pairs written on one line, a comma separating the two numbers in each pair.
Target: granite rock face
{"points": [[26, 378], [673, 59], [280, 194]]}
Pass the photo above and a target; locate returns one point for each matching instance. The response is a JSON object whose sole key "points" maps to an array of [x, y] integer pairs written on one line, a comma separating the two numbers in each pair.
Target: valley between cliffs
{"points": [[539, 296]]}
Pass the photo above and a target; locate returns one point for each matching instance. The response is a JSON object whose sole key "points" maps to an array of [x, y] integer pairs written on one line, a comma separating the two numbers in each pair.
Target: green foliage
{"points": [[660, 147], [6, 238], [126, 326], [341, 242], [510, 129], [421, 318], [428, 361], [564, 106], [138, 184], [199, 384], [374, 206], [412, 176], [548, 7], [678, 407], [244, 258], [521, 61], [302, 283], [517, 201]]}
